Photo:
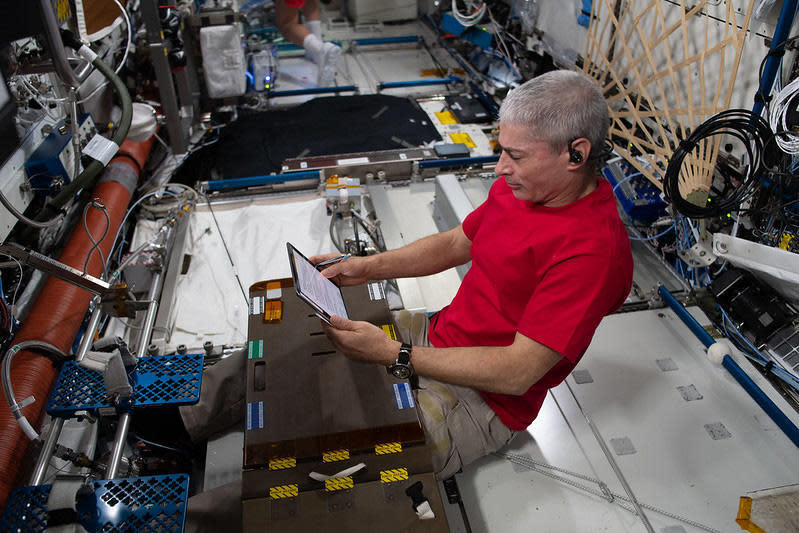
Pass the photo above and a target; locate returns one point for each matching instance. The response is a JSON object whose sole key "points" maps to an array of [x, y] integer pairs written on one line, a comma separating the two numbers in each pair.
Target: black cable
{"points": [[751, 130], [222, 238], [130, 159]]}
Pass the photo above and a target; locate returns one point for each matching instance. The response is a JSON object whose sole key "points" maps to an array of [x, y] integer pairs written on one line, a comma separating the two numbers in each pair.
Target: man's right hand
{"points": [[352, 271]]}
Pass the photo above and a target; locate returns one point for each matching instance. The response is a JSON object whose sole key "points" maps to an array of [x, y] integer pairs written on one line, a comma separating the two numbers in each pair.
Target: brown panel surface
{"points": [[257, 482], [314, 398], [100, 13], [371, 506]]}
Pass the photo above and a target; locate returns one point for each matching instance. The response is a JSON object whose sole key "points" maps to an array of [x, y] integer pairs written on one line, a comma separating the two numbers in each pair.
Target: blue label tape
{"points": [[255, 415], [403, 396]]}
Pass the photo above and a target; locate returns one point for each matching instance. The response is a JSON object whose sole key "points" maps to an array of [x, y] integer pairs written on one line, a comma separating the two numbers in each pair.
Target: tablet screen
{"points": [[313, 287]]}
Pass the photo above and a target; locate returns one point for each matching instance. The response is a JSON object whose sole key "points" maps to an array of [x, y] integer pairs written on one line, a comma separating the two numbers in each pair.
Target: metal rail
{"points": [[757, 394]]}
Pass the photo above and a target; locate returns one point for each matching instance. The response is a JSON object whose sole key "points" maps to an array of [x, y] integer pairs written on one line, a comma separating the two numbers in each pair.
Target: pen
{"points": [[334, 260]]}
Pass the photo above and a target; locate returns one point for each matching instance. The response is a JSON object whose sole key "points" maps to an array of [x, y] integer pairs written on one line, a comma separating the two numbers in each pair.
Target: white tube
{"points": [[5, 374]]}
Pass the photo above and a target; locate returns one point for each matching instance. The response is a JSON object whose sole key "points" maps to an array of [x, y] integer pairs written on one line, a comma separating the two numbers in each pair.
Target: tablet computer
{"points": [[313, 288]]}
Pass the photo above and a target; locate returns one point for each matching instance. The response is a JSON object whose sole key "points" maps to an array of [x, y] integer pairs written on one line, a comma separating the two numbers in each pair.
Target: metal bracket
{"points": [[698, 255], [117, 300]]}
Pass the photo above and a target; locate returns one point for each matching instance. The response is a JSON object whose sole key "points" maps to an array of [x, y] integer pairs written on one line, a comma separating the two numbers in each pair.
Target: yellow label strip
{"points": [[446, 117], [335, 455], [339, 483], [388, 447], [462, 138], [281, 463], [388, 329], [390, 476], [273, 311], [284, 491]]}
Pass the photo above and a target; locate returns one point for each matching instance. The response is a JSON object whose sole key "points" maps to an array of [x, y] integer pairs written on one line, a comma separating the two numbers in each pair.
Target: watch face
{"points": [[401, 371]]}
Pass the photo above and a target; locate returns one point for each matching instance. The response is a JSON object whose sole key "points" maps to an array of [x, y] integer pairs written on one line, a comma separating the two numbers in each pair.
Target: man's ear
{"points": [[579, 151]]}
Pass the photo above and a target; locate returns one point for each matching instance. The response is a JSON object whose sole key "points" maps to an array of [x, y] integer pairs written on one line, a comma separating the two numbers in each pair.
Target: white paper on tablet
{"points": [[318, 291]]}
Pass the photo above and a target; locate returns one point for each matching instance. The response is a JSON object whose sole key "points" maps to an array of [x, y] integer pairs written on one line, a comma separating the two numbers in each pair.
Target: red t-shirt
{"points": [[550, 273]]}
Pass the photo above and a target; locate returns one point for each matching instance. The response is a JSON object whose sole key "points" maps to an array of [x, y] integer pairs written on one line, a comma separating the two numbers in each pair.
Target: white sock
{"points": [[315, 26], [313, 45], [328, 65]]}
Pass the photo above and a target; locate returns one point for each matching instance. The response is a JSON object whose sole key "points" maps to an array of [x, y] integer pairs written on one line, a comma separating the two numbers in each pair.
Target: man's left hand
{"points": [[361, 341]]}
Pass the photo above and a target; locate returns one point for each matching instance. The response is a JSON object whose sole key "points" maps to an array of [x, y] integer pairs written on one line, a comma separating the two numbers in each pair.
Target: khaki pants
{"points": [[459, 425]]}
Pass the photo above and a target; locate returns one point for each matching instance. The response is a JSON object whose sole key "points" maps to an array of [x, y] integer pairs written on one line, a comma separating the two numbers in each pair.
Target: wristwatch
{"points": [[402, 368]]}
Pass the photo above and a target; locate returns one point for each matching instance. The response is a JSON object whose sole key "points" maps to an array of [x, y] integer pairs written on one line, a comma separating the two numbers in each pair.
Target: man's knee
{"points": [[285, 17]]}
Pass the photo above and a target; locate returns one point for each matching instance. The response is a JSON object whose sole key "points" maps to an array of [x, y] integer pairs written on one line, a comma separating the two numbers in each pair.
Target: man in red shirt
{"points": [[550, 258]]}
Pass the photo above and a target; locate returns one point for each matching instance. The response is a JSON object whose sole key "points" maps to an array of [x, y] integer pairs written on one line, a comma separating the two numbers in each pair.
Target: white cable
{"points": [[468, 20], [787, 140], [130, 35], [163, 209], [36, 95], [130, 210], [5, 375], [693, 230], [16, 289], [504, 47], [128, 44]]}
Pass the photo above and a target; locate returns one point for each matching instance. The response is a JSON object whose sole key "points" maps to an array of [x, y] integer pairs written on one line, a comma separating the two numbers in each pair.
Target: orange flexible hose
{"points": [[56, 317]]}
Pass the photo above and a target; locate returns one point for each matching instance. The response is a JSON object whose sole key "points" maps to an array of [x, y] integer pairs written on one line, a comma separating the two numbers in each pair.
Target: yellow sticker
{"points": [[273, 311], [785, 241], [462, 138], [282, 463], [284, 491], [339, 483], [62, 10], [335, 455], [390, 476], [388, 447], [388, 329], [446, 117], [744, 518]]}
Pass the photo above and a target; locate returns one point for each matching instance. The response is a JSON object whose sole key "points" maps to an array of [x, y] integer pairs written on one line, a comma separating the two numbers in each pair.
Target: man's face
{"points": [[530, 168]]}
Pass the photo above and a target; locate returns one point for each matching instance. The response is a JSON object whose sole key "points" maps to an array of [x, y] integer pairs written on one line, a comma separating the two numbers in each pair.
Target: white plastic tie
{"points": [[424, 511], [27, 401], [87, 53], [344, 473], [101, 149]]}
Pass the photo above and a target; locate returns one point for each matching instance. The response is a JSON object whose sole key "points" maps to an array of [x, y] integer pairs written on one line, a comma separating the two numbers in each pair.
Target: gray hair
{"points": [[558, 107]]}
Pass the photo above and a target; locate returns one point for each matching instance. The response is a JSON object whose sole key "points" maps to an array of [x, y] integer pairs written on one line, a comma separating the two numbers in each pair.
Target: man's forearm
{"points": [[498, 369], [481, 368], [426, 256]]}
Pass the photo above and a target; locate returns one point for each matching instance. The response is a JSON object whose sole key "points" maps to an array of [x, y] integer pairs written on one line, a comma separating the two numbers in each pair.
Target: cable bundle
{"points": [[753, 132], [477, 12], [786, 138]]}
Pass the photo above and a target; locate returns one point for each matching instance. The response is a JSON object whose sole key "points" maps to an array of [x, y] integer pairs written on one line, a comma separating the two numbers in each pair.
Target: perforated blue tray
{"points": [[157, 380], [26, 509], [148, 503], [141, 504]]}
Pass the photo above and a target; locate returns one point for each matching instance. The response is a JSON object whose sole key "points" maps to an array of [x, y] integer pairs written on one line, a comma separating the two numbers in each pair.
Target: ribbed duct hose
{"points": [[60, 308]]}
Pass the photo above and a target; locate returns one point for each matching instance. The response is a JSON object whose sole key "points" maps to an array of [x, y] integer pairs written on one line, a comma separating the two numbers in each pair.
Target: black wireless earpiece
{"points": [[575, 156]]}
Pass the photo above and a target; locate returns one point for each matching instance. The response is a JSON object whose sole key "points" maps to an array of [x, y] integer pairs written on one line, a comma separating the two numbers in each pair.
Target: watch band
{"points": [[404, 356], [402, 367]]}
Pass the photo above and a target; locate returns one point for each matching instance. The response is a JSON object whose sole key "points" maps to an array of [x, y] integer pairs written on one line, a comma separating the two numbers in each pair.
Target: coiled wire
{"points": [[752, 131]]}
